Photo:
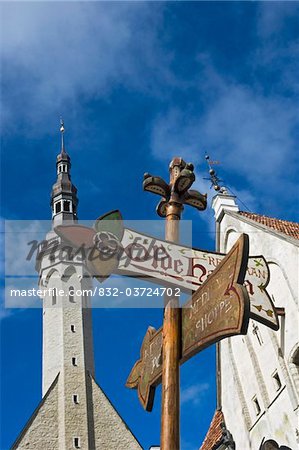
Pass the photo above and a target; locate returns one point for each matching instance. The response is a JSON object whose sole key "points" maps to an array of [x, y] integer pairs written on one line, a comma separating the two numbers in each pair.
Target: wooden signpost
{"points": [[218, 309], [174, 196], [220, 306]]}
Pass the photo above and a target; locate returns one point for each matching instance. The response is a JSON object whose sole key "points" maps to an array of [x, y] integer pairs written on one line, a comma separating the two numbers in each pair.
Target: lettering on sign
{"points": [[218, 309], [147, 371], [188, 268]]}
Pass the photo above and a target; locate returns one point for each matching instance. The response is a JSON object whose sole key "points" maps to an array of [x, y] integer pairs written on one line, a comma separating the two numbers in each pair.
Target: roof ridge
{"points": [[286, 227], [268, 217]]}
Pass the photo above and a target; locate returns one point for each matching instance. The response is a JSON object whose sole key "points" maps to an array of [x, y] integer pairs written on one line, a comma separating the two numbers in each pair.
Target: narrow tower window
{"points": [[66, 205], [276, 380], [73, 329], [58, 207], [256, 405], [76, 442], [74, 361], [257, 333], [52, 257], [54, 298], [75, 399], [71, 294]]}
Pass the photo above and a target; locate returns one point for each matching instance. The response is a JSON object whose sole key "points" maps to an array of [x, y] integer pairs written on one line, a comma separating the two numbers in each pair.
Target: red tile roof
{"points": [[283, 226], [214, 434]]}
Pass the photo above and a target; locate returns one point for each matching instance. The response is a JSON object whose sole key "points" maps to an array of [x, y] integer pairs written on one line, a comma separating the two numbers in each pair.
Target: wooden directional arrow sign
{"points": [[218, 309], [188, 268], [147, 371], [158, 261]]}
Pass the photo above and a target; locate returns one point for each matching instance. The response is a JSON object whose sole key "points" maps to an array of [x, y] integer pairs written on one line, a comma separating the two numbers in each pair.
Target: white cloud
{"points": [[194, 393], [55, 53], [243, 127], [251, 133], [21, 239], [250, 127], [23, 299], [272, 16]]}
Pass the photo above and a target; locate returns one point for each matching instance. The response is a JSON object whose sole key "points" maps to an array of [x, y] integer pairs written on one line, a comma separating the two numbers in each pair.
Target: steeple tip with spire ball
{"points": [[64, 199], [62, 153]]}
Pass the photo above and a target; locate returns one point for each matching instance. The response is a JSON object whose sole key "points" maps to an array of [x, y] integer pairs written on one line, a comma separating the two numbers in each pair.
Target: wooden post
{"points": [[170, 413], [174, 196]]}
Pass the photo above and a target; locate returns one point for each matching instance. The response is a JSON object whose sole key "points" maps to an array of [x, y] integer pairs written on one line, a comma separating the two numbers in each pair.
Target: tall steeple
{"points": [[64, 200], [74, 412]]}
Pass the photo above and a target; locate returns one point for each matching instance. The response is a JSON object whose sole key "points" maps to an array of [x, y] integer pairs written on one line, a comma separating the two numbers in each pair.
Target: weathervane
{"points": [[214, 178]]}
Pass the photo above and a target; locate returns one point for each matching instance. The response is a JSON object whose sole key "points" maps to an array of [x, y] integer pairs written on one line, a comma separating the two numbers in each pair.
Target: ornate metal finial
{"points": [[177, 191], [214, 178], [62, 133]]}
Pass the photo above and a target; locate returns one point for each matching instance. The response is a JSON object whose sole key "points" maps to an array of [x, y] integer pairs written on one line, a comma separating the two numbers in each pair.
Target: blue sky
{"points": [[138, 83]]}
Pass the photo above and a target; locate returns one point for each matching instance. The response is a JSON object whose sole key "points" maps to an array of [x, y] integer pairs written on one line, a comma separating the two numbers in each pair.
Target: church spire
{"points": [[64, 199]]}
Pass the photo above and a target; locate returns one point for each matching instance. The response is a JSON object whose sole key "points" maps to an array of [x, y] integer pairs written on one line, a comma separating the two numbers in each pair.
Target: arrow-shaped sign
{"points": [[147, 371], [188, 268], [111, 248], [218, 309]]}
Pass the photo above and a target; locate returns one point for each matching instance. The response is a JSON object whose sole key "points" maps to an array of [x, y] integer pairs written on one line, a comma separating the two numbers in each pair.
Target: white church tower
{"points": [[74, 412]]}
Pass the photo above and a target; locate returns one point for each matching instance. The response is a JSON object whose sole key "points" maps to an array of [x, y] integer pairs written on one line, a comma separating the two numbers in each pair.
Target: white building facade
{"points": [[258, 374]]}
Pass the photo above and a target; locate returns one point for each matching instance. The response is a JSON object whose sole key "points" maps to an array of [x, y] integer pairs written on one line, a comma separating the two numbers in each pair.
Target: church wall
{"points": [[255, 358], [42, 432], [67, 335], [234, 401], [52, 335], [111, 432], [74, 376]]}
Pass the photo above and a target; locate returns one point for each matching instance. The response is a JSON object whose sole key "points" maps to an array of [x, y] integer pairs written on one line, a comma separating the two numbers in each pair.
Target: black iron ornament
{"points": [[214, 178]]}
